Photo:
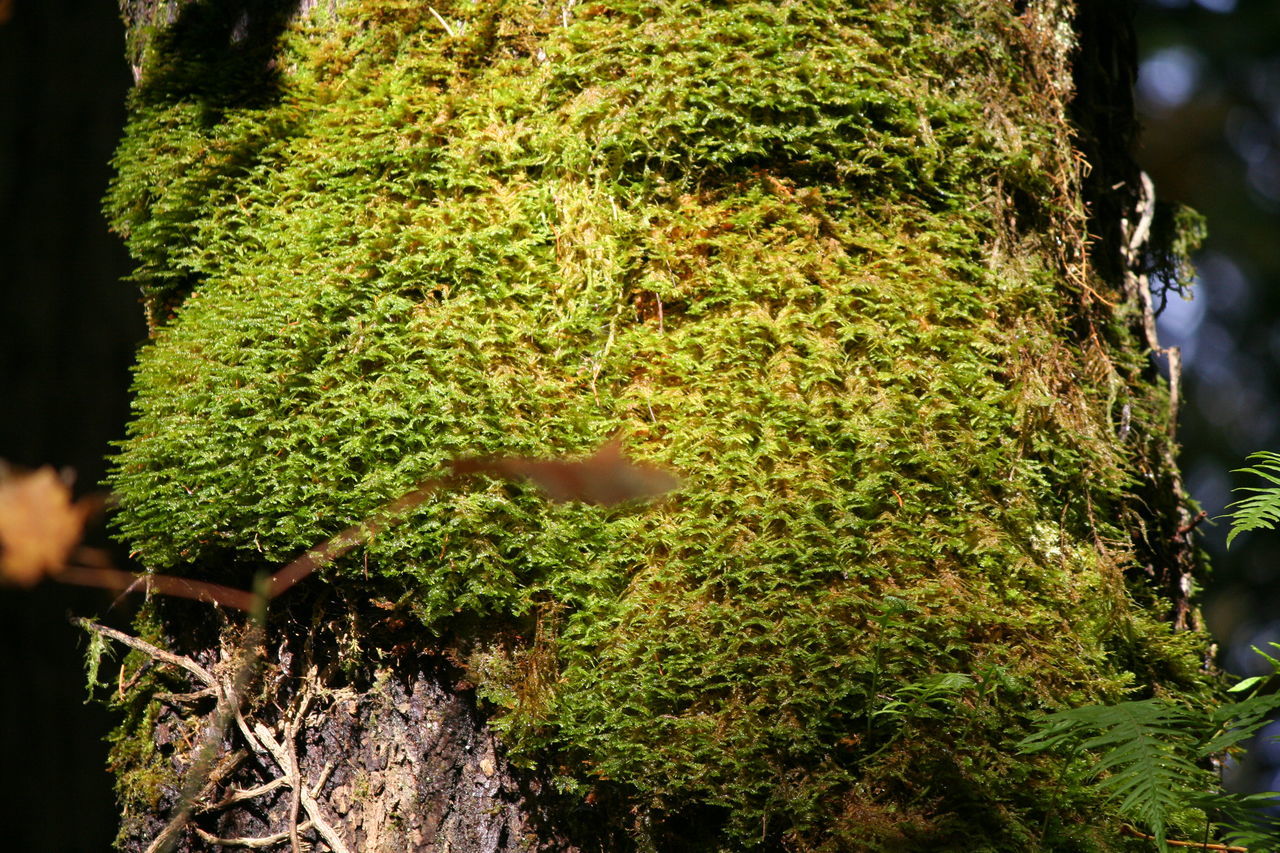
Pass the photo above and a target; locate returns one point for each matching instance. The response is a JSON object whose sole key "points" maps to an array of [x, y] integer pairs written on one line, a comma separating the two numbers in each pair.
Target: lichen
{"points": [[808, 255]]}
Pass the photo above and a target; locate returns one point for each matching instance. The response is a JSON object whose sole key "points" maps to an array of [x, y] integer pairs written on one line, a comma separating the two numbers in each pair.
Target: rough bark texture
{"points": [[829, 261], [406, 765]]}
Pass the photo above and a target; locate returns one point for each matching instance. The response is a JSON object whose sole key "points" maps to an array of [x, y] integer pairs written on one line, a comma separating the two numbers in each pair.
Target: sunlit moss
{"points": [[804, 254]]}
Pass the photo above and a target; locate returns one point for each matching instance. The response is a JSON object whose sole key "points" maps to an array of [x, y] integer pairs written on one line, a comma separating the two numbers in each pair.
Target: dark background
{"points": [[68, 331], [1209, 98], [1209, 94]]}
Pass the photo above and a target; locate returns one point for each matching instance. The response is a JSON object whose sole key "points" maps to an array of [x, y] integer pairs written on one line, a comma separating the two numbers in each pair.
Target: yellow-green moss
{"points": [[804, 253]]}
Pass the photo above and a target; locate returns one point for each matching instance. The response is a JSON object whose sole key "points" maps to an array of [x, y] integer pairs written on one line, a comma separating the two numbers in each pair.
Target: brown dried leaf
{"points": [[608, 477], [39, 525]]}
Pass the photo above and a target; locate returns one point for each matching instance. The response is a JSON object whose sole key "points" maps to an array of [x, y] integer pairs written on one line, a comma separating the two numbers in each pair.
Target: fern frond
{"points": [[1262, 510], [1143, 754], [1244, 819], [1147, 755], [1239, 721]]}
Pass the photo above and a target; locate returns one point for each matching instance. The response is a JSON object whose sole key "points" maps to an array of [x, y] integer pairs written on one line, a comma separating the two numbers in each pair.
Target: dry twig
{"points": [[1126, 829]]}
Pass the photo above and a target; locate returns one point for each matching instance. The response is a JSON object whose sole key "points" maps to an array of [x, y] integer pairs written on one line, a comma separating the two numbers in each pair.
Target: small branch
{"points": [[327, 832], [295, 797], [97, 575], [307, 800], [291, 745], [1175, 386], [1146, 210], [123, 687], [146, 648], [169, 835], [204, 773], [183, 698], [1126, 829], [606, 478], [224, 768], [237, 796], [123, 581], [321, 779], [448, 29], [1192, 524], [180, 661], [260, 843]]}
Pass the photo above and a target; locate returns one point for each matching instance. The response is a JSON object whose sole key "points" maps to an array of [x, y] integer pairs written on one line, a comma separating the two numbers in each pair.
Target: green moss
{"points": [[802, 254], [141, 772], [142, 769]]}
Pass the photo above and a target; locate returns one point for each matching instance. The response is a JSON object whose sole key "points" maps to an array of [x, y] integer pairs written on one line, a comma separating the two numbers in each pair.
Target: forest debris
{"points": [[39, 525]]}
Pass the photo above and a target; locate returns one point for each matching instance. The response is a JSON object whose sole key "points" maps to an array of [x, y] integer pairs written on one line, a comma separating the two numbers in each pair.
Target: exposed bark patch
{"points": [[421, 772], [406, 764]]}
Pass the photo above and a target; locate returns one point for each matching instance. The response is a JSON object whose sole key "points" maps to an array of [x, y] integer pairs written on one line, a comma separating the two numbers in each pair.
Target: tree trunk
{"points": [[829, 262]]}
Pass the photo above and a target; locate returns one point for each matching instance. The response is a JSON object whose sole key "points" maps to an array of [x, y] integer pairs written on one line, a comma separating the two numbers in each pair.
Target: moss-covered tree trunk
{"points": [[868, 276]]}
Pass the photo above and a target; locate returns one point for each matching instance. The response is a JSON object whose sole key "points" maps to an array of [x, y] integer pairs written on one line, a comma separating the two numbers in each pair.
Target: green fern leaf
{"points": [[1244, 819], [1262, 509], [1144, 755], [1239, 721], [1147, 750]]}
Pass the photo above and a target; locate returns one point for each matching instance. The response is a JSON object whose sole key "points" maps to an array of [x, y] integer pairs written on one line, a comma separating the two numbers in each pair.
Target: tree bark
{"points": [[831, 263], [407, 766]]}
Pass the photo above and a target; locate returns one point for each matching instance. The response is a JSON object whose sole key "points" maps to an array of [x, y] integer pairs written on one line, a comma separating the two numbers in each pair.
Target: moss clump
{"points": [[804, 254]]}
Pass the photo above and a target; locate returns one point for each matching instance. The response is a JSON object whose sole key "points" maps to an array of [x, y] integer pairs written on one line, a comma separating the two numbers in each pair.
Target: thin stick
{"points": [[240, 794], [260, 843], [356, 534], [165, 584], [321, 555], [1126, 829], [295, 772], [308, 801], [321, 779], [146, 648], [448, 29]]}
